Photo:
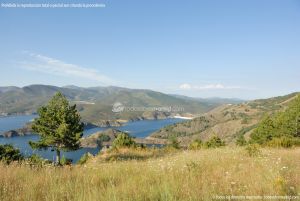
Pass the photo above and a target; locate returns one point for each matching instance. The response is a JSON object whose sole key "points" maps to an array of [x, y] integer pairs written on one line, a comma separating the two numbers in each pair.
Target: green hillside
{"points": [[281, 128], [226, 121], [95, 103]]}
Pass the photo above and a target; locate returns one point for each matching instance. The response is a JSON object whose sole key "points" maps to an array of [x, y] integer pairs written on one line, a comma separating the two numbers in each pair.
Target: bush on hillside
{"points": [[8, 154], [214, 142], [84, 158], [174, 143], [37, 161], [102, 138], [241, 141], [123, 140], [264, 132], [196, 144], [65, 161]]}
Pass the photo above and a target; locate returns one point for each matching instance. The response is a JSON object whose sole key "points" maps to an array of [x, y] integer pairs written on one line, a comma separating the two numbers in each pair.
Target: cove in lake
{"points": [[139, 129]]}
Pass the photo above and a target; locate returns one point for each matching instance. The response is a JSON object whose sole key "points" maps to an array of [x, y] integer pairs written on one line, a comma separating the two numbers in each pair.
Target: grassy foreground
{"points": [[182, 175]]}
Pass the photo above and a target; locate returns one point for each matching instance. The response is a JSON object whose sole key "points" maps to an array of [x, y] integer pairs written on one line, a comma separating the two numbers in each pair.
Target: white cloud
{"points": [[186, 86], [44, 64]]}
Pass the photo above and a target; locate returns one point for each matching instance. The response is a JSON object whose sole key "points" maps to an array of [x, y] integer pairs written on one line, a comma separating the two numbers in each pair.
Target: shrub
{"points": [[141, 146], [8, 154], [102, 138], [174, 143], [196, 144], [284, 141], [123, 140], [241, 141], [84, 158], [253, 150], [36, 160], [65, 161], [214, 142]]}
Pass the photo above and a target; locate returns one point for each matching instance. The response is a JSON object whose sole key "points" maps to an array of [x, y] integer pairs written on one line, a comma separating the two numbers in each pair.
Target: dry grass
{"points": [[184, 175]]}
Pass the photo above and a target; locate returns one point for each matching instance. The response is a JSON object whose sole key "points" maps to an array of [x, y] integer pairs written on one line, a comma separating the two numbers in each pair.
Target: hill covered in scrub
{"points": [[95, 103], [226, 121], [281, 129]]}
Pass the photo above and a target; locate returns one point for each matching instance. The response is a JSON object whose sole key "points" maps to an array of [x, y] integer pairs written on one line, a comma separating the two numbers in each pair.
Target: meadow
{"points": [[152, 174]]}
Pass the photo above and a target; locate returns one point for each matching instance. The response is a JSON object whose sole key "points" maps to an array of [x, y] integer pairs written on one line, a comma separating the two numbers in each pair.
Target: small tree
{"points": [[58, 125], [123, 140]]}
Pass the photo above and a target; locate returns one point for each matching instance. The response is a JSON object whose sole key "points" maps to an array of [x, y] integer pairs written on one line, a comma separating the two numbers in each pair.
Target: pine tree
{"points": [[58, 125]]}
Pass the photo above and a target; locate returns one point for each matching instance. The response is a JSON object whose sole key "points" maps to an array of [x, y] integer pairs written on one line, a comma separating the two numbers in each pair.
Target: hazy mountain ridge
{"points": [[95, 103], [213, 100]]}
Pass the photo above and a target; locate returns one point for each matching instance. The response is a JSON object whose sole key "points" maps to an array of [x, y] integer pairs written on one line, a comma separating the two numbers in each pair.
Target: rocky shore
{"points": [[26, 130]]}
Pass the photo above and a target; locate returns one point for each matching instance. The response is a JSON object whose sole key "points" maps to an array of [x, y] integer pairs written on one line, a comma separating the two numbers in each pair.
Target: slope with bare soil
{"points": [[226, 121]]}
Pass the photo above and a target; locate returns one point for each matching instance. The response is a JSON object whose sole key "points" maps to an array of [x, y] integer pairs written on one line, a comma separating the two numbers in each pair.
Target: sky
{"points": [[215, 48]]}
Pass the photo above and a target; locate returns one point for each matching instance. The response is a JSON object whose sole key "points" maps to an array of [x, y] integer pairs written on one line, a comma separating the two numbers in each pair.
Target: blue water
{"points": [[137, 129], [13, 122], [144, 128]]}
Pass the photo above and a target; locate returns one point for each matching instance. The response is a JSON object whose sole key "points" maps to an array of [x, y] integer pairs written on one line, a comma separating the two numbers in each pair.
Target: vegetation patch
{"points": [[123, 140], [280, 129], [9, 154], [213, 142]]}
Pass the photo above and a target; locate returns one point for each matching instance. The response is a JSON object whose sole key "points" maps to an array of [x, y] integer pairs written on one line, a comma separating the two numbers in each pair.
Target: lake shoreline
{"points": [[137, 129], [26, 130]]}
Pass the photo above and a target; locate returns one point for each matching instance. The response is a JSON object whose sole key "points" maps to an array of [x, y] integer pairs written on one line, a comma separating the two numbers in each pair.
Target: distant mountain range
{"points": [[212, 100], [95, 103], [226, 121]]}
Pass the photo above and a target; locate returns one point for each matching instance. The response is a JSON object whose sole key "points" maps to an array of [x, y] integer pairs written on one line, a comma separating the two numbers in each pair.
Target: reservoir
{"points": [[139, 129]]}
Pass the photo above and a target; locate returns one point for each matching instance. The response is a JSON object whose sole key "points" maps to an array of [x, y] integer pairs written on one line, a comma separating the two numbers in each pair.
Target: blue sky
{"points": [[214, 48]]}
